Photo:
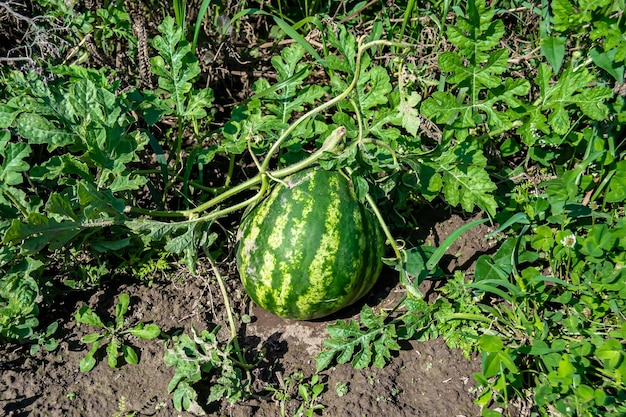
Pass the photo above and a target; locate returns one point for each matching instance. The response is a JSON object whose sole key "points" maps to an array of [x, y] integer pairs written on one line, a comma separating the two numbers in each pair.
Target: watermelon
{"points": [[310, 248]]}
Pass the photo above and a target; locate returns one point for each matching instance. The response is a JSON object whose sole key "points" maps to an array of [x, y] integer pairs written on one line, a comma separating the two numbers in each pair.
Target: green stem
{"points": [[329, 145], [176, 155], [231, 320], [385, 145], [262, 178], [231, 169], [194, 184], [359, 120], [383, 225], [155, 213], [16, 202]]}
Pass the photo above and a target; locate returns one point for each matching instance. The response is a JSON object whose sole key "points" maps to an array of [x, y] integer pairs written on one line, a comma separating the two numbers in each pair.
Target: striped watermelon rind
{"points": [[310, 248]]}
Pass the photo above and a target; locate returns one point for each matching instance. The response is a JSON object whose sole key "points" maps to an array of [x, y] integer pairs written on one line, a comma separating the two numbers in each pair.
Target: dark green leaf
{"points": [[13, 163], [121, 308], [39, 130], [553, 48]]}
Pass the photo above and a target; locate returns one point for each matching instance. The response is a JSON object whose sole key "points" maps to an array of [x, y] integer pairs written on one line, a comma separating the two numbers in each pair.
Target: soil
{"points": [[424, 379]]}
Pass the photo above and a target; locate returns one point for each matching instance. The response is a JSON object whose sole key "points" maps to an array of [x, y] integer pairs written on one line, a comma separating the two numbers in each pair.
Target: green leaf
{"points": [[292, 33], [8, 114], [591, 102], [465, 181], [490, 343], [19, 298], [184, 241], [617, 185], [127, 182], [198, 103], [486, 412], [491, 364], [184, 396], [155, 230], [370, 319], [39, 130], [82, 99], [543, 239], [129, 354], [565, 16], [88, 362], [112, 352], [60, 208], [303, 393], [120, 309], [372, 89], [148, 331], [608, 61], [409, 115], [176, 68], [13, 164], [442, 107], [39, 231], [86, 316], [565, 369], [553, 48], [478, 33], [324, 359], [288, 96], [350, 342], [91, 338], [572, 88]]}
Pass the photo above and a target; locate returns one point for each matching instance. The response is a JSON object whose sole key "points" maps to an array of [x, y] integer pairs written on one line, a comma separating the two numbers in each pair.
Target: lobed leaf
{"points": [[13, 160], [361, 346]]}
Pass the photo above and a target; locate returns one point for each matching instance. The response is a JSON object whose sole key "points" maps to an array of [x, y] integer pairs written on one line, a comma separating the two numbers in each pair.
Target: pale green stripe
{"points": [[248, 239], [292, 252], [320, 275], [264, 286]]}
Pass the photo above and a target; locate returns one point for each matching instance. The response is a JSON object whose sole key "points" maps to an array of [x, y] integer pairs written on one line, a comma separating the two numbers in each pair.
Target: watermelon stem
{"points": [[331, 142], [390, 239], [231, 321], [377, 142]]}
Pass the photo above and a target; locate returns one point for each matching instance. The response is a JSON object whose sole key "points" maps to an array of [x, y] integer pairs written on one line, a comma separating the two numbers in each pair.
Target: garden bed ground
{"points": [[425, 379]]}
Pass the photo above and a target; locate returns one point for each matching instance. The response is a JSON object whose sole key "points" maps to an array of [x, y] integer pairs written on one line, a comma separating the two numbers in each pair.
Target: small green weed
{"points": [[113, 335], [203, 355], [199, 356], [341, 388], [44, 339], [308, 392], [121, 409]]}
